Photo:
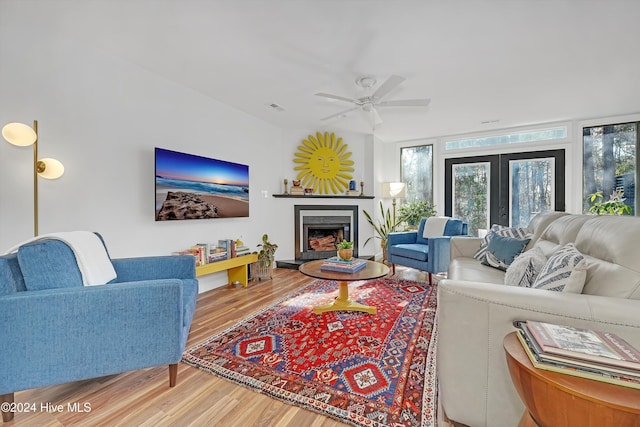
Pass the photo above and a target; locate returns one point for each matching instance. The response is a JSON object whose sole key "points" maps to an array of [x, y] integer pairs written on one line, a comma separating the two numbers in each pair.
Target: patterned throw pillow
{"points": [[565, 271], [524, 270], [502, 250], [500, 230]]}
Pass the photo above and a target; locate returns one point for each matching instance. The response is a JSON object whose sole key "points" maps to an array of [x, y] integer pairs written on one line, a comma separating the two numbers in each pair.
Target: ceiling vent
{"points": [[275, 107]]}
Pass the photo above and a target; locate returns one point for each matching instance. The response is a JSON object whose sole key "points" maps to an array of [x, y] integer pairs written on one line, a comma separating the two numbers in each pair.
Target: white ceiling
{"points": [[510, 62]]}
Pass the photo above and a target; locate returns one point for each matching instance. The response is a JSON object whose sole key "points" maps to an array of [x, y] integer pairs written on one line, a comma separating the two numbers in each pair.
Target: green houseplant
{"points": [[413, 212], [263, 268], [382, 228], [614, 206], [345, 250]]}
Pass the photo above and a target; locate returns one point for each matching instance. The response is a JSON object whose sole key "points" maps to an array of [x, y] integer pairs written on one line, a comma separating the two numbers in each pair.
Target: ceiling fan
{"points": [[370, 103]]}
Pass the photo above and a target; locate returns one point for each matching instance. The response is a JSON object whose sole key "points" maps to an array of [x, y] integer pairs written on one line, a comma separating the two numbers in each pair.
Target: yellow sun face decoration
{"points": [[324, 163]]}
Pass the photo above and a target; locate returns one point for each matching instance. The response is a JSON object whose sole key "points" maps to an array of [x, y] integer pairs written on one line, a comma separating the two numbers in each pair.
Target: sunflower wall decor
{"points": [[324, 163]]}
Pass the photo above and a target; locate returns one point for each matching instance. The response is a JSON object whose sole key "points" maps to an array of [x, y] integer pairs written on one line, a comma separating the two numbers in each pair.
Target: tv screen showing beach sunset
{"points": [[195, 187]]}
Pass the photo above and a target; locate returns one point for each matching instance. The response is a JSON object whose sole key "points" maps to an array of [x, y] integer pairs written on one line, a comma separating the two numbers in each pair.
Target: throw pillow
{"points": [[524, 270], [565, 270], [502, 250], [500, 230]]}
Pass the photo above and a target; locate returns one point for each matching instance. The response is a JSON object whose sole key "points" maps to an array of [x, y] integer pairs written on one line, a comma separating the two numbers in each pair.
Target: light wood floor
{"points": [[143, 397]]}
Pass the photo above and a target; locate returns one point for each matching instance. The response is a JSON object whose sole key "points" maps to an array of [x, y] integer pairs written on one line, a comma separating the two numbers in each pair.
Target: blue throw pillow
{"points": [[48, 264], [502, 250]]}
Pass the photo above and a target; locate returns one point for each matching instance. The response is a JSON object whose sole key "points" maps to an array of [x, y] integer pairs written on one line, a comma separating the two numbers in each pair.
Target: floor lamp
{"points": [[394, 190], [24, 135]]}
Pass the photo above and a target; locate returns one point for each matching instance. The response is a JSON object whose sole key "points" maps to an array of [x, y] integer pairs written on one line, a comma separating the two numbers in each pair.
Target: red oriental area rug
{"points": [[362, 369]]}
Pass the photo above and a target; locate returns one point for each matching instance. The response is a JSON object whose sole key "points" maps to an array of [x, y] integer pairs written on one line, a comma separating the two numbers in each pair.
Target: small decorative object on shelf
{"points": [[362, 188], [308, 191], [345, 250], [296, 189], [286, 183]]}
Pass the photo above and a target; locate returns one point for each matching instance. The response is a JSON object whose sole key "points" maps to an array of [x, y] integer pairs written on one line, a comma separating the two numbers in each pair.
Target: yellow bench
{"points": [[237, 268]]}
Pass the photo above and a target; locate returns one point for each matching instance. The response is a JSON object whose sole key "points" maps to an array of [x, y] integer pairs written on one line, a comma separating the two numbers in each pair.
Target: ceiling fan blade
{"points": [[391, 83], [405, 103], [375, 117], [339, 98], [341, 113]]}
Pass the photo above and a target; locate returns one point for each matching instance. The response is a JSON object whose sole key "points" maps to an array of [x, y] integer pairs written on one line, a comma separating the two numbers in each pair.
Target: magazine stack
{"points": [[601, 356], [343, 266]]}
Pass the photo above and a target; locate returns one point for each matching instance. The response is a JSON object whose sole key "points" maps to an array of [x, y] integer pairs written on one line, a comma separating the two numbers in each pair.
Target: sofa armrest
{"points": [[464, 246], [68, 334], [473, 319], [155, 267], [400, 237]]}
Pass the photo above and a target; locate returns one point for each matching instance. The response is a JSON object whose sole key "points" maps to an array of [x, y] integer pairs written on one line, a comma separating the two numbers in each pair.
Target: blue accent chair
{"points": [[55, 330], [411, 249]]}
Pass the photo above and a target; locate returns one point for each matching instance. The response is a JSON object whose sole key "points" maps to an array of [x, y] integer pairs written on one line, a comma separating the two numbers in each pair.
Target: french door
{"points": [[506, 189]]}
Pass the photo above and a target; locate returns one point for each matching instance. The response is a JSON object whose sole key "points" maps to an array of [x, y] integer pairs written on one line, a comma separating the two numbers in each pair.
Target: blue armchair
{"points": [[56, 330], [425, 249]]}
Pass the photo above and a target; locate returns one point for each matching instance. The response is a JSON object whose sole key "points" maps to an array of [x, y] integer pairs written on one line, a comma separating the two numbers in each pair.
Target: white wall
{"points": [[102, 116]]}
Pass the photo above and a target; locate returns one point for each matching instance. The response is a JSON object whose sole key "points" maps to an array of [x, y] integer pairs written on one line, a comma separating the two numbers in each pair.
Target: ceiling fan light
{"points": [[19, 134]]}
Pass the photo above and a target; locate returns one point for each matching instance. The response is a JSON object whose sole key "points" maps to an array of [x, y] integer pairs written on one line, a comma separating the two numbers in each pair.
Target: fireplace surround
{"points": [[318, 228]]}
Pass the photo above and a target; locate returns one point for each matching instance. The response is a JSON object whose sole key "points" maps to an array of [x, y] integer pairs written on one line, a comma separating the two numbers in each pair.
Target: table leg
{"points": [[344, 303]]}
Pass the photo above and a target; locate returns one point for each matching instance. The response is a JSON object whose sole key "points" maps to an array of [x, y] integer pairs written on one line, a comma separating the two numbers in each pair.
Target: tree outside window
{"points": [[417, 172], [609, 162]]}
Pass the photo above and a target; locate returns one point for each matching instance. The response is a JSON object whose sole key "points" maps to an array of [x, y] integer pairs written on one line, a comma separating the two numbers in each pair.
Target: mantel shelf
{"points": [[322, 196]]}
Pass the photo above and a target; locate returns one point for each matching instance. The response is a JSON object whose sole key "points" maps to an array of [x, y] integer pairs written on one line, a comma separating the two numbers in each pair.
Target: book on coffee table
{"points": [[340, 265]]}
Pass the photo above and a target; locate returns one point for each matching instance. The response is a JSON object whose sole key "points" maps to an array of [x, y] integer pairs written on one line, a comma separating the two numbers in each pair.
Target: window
{"points": [[609, 162], [416, 168], [535, 135]]}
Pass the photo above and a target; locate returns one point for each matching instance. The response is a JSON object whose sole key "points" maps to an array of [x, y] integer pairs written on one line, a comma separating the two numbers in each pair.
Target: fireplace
{"points": [[318, 229]]}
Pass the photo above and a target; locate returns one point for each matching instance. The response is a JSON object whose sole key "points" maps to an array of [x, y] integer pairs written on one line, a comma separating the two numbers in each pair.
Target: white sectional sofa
{"points": [[476, 309]]}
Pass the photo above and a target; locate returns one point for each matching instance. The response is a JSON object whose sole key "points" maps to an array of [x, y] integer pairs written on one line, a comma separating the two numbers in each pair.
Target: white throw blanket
{"points": [[92, 258], [434, 226]]}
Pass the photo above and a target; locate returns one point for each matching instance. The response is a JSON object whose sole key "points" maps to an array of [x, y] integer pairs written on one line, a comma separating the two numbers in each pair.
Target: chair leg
{"points": [[430, 279], [6, 414], [173, 374], [393, 269]]}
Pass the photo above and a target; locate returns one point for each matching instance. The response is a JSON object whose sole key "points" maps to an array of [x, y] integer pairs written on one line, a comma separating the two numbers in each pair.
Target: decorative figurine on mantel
{"points": [[286, 182], [362, 188], [296, 188]]}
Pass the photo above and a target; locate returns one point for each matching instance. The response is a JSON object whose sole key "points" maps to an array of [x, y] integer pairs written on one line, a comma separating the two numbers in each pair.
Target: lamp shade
{"points": [[19, 134], [50, 168], [394, 190]]}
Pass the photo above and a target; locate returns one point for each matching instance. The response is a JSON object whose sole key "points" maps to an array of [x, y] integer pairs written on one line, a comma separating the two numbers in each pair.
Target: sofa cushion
{"points": [[410, 250], [524, 270], [48, 264], [502, 250], [564, 271], [500, 230], [10, 275]]}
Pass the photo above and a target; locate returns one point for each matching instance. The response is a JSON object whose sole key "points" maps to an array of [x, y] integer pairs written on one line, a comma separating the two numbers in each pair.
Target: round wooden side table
{"points": [[553, 399]]}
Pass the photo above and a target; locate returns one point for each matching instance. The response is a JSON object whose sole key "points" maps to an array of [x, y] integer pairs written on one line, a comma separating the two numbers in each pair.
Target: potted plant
{"points": [[413, 212], [345, 250], [614, 206], [382, 228], [264, 265]]}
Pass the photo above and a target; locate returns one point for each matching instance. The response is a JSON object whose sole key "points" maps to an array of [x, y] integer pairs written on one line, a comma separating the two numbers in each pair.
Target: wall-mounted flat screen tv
{"points": [[195, 187]]}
